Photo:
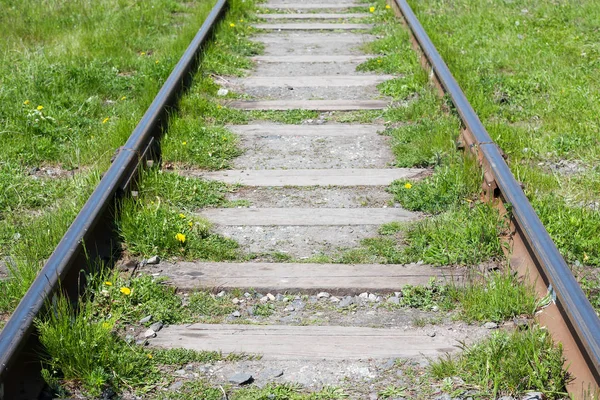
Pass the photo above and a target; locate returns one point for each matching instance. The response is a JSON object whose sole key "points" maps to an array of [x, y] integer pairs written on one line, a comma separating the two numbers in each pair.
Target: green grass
{"points": [[538, 116], [464, 235], [428, 297], [509, 364], [84, 353], [185, 193], [449, 186], [91, 79], [499, 297], [202, 390], [71, 94], [153, 228]]}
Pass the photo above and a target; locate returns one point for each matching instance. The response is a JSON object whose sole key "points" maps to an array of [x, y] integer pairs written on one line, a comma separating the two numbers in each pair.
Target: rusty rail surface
{"points": [[570, 317], [94, 218]]}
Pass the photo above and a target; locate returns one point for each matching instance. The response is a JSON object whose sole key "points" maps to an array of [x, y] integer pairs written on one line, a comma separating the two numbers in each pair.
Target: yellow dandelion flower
{"points": [[26, 102], [143, 53], [108, 283], [241, 20], [180, 237], [105, 120], [190, 224], [371, 9], [232, 25], [407, 186], [105, 325], [184, 143], [126, 291], [387, 6], [379, 60], [181, 215], [40, 108], [585, 257], [149, 355], [123, 98], [156, 62]]}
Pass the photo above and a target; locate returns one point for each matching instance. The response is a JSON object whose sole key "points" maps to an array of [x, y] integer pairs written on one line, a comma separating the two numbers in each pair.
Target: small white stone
{"points": [[235, 300], [222, 92], [334, 299], [364, 295], [323, 295], [153, 260], [264, 299], [221, 293], [372, 297], [270, 297], [149, 334]]}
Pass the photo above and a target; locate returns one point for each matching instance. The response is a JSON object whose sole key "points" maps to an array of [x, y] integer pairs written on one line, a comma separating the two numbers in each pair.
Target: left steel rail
{"points": [[100, 206]]}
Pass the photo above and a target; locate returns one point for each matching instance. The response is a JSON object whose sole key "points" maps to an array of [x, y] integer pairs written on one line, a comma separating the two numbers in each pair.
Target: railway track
{"points": [[312, 189]]}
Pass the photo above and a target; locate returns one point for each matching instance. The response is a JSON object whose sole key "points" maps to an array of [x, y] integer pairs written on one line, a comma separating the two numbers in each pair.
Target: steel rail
{"points": [[562, 285], [117, 177]]}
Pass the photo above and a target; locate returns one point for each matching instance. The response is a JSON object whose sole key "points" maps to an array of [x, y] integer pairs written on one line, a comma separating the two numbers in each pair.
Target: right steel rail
{"points": [[572, 305]]}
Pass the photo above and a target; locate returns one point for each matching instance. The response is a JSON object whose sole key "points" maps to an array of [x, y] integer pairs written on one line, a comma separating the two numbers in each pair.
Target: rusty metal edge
{"points": [[115, 180], [570, 309]]}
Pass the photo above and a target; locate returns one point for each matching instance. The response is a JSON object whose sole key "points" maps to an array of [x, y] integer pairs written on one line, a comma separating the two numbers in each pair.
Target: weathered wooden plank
{"points": [[316, 105], [313, 16], [313, 81], [312, 6], [330, 130], [305, 216], [312, 177], [312, 27], [282, 342], [312, 59], [344, 279]]}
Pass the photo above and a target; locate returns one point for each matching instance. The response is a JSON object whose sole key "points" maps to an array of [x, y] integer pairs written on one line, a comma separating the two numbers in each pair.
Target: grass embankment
{"points": [[85, 354], [530, 70], [81, 88]]}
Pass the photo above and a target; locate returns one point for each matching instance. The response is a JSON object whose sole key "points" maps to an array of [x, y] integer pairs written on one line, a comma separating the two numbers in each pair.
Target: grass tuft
{"points": [[463, 236], [449, 186], [152, 228], [510, 364], [500, 297]]}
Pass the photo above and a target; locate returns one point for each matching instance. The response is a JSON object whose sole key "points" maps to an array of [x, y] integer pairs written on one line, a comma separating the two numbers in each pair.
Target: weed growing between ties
{"points": [[449, 186], [152, 228], [465, 235], [509, 363], [185, 193], [84, 354], [202, 390], [157, 222], [133, 298], [498, 297]]}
